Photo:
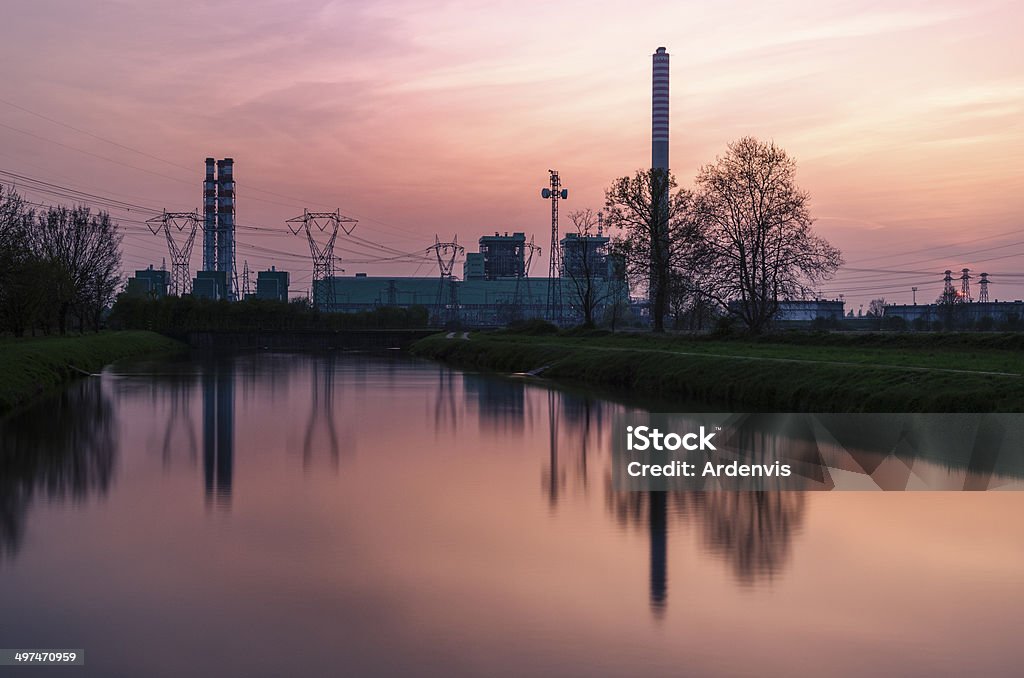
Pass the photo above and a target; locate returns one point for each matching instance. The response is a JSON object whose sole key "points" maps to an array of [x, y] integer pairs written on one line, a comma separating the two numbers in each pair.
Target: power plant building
{"points": [[272, 285], [149, 283]]}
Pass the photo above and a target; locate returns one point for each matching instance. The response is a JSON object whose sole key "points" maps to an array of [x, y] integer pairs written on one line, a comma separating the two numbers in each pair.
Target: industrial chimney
{"points": [[226, 224], [659, 111], [210, 218]]}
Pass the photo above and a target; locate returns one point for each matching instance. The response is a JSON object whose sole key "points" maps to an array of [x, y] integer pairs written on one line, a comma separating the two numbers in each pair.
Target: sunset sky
{"points": [[906, 118]]}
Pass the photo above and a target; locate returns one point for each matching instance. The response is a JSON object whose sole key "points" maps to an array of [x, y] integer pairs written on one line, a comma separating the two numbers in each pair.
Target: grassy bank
{"points": [[30, 366], [798, 373]]}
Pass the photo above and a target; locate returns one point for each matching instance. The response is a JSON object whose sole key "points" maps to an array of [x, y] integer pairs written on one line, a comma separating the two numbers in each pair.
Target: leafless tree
{"points": [[83, 251], [757, 245], [876, 308], [657, 231], [585, 263]]}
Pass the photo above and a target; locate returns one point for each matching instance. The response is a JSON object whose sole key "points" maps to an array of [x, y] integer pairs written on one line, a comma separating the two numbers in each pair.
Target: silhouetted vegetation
{"points": [[57, 267], [176, 316], [790, 372]]}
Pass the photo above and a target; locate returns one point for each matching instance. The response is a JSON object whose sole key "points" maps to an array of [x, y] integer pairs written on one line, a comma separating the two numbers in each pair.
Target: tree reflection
{"points": [[62, 449]]}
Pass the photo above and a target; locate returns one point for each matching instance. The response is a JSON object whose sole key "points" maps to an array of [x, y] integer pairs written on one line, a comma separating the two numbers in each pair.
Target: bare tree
{"points": [[757, 246], [585, 263], [83, 251], [876, 308], [657, 231]]}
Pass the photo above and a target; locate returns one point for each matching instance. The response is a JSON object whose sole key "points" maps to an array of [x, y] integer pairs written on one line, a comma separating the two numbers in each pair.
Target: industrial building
{"points": [[963, 314], [809, 310], [218, 233], [272, 285], [149, 283]]}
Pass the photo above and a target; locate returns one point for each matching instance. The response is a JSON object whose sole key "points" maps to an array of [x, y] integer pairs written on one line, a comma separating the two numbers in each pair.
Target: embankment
{"points": [[29, 367], [757, 376]]}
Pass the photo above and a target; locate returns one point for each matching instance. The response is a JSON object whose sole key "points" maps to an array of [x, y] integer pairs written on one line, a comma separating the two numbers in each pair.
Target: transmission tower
{"points": [[983, 295], [949, 295], [246, 288], [447, 306], [523, 279], [322, 226], [180, 230], [554, 193], [965, 286]]}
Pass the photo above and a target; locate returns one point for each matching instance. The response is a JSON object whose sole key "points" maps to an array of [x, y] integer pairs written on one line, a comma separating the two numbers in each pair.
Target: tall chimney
{"points": [[210, 218], [659, 111], [226, 223]]}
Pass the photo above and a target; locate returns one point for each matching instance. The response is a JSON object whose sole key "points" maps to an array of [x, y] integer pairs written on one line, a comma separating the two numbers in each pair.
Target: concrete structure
{"points": [[226, 224], [210, 285], [809, 310], [473, 266], [149, 283], [482, 303], [1001, 313], [659, 110], [210, 217], [586, 255], [503, 255], [272, 285]]}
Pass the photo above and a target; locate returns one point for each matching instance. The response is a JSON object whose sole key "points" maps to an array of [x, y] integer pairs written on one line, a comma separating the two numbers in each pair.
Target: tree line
{"points": [[59, 266], [737, 244]]}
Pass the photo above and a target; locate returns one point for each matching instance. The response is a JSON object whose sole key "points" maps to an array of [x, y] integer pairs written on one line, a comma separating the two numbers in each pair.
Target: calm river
{"points": [[298, 515]]}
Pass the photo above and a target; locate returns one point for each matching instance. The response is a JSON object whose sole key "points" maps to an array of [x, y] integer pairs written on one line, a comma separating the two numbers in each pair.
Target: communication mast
{"points": [[322, 226], [554, 194], [447, 305], [983, 295], [179, 228]]}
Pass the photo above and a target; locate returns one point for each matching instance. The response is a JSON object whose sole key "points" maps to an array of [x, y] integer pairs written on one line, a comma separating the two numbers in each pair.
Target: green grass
{"points": [[31, 366], [799, 372]]}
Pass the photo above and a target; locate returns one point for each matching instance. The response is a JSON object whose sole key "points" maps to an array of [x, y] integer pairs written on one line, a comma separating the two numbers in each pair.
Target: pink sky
{"points": [[906, 118]]}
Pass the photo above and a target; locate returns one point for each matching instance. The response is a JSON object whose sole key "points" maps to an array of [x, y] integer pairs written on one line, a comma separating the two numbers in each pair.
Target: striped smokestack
{"points": [[210, 218], [659, 111]]}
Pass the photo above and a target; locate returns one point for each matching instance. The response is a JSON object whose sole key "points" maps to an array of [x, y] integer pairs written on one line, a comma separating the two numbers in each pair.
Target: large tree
{"points": [[84, 255], [757, 245], [585, 264], [657, 232]]}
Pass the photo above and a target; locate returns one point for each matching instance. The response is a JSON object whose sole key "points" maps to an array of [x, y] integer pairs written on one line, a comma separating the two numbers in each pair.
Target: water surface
{"points": [[286, 515]]}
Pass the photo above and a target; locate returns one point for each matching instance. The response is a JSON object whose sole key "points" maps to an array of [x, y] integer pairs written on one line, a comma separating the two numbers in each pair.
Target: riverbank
{"points": [[29, 367], [800, 373]]}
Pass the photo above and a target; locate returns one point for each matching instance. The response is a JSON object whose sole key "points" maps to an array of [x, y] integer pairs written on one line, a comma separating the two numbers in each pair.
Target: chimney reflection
{"points": [[218, 432]]}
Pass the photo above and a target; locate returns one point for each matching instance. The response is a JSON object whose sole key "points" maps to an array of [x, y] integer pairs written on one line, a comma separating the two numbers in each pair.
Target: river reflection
{"points": [[399, 517]]}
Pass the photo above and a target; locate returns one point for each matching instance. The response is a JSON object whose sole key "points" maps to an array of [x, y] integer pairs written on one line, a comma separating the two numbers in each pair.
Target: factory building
{"points": [[816, 309], [586, 255], [272, 285], [999, 313], [148, 283], [502, 256], [211, 285]]}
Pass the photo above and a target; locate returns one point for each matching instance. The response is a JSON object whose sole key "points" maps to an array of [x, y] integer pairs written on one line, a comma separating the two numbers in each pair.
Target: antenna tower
{"points": [[180, 230], [447, 305], [554, 193], [321, 230]]}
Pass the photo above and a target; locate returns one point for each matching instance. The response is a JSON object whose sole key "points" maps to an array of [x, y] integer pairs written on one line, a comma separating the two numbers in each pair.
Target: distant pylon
{"points": [[554, 193], [949, 295], [246, 289], [983, 294], [965, 286], [523, 280], [446, 308], [324, 225], [179, 228]]}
